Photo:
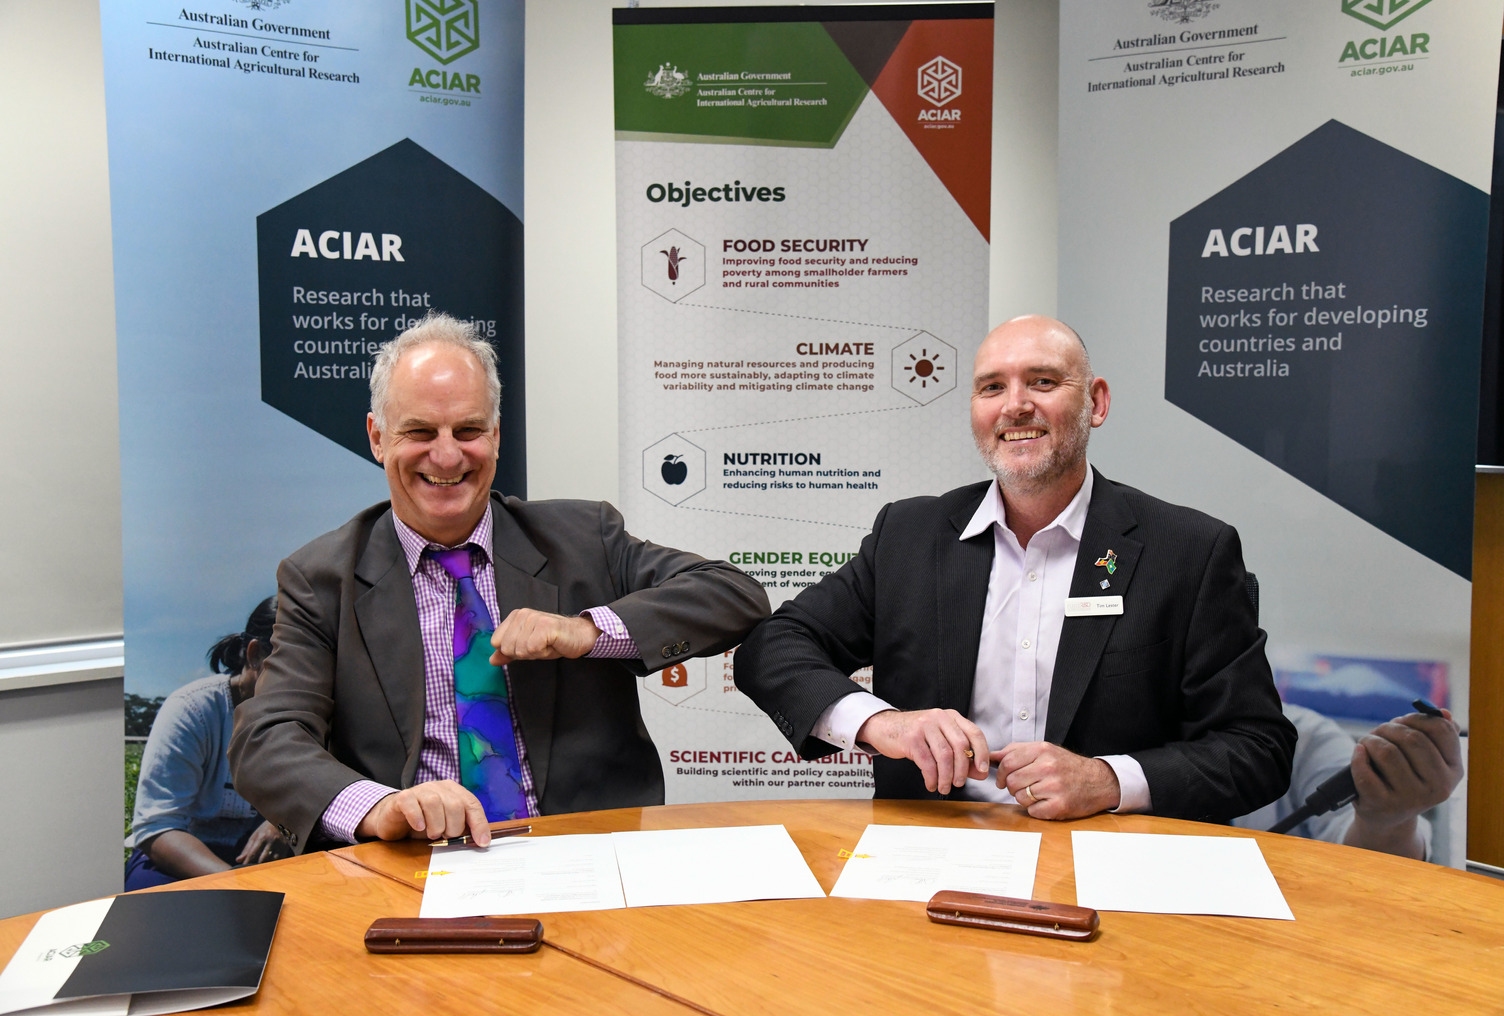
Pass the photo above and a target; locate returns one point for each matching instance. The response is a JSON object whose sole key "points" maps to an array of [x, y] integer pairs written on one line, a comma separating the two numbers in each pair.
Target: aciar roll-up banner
{"points": [[293, 182], [802, 256], [1273, 219]]}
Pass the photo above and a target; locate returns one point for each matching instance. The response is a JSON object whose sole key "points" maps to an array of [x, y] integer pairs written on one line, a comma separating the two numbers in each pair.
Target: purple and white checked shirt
{"points": [[438, 758]]}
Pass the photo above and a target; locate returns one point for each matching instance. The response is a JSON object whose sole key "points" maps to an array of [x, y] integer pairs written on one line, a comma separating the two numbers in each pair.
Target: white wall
{"points": [[60, 745], [1025, 141], [60, 453], [60, 751]]}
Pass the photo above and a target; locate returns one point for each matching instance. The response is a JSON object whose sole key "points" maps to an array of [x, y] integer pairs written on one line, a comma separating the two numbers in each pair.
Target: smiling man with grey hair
{"points": [[454, 657], [1048, 638]]}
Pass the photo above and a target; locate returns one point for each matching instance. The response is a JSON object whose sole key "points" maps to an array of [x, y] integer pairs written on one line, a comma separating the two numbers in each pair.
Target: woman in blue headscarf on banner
{"points": [[188, 818]]}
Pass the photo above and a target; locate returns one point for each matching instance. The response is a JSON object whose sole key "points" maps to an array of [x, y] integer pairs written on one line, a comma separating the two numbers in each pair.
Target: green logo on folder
{"points": [[82, 949]]}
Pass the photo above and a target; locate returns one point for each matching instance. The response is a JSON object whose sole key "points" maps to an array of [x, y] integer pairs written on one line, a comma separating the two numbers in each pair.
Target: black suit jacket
{"points": [[342, 696], [1179, 680]]}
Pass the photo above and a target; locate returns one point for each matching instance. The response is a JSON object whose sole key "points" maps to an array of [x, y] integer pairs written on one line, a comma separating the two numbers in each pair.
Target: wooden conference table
{"points": [[1372, 933]]}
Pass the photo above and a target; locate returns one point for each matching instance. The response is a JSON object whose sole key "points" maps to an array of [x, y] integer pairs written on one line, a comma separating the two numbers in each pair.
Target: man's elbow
{"points": [[1274, 762], [1284, 736], [748, 595], [745, 661], [244, 756]]}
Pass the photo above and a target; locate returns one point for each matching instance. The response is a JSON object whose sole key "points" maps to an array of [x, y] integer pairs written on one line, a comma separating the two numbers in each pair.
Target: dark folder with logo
{"points": [[145, 953]]}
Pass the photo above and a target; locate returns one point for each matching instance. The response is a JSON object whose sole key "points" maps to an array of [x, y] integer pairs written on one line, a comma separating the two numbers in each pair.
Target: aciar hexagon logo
{"points": [[939, 81], [1382, 14], [444, 29]]}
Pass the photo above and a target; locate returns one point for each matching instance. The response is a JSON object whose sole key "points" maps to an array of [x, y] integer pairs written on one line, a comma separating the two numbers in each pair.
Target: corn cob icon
{"points": [[673, 263]]}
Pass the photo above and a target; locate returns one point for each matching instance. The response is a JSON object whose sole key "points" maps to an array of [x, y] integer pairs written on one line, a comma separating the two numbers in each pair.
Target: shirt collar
{"points": [[414, 544], [990, 512]]}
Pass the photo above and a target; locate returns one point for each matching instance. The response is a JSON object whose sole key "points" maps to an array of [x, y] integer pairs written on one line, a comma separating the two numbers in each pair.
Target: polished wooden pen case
{"points": [[1005, 913], [454, 935]]}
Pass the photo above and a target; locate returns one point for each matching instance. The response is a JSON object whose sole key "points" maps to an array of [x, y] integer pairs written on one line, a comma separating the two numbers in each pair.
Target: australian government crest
{"points": [[1182, 11], [667, 81]]}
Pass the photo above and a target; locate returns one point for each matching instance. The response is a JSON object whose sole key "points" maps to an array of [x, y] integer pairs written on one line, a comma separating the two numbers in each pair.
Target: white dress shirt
{"points": [[1025, 610]]}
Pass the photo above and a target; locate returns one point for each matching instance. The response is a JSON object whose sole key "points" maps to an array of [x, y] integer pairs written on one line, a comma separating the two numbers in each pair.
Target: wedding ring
{"points": [[970, 753], [1030, 791]]}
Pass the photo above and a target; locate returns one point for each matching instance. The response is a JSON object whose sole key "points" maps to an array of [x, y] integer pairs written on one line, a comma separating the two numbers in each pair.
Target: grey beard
{"points": [[1067, 454]]}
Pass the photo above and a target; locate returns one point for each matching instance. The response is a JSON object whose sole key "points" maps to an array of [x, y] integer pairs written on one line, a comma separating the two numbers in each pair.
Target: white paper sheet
{"points": [[44, 962], [523, 875], [660, 867], [1152, 873], [915, 862]]}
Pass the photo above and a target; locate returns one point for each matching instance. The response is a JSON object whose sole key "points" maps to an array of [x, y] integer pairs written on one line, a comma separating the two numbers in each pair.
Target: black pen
{"points": [[1426, 706], [497, 832]]}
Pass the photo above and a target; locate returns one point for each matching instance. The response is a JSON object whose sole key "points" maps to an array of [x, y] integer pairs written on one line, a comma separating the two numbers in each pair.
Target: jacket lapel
{"points": [[963, 567], [534, 683], [387, 615], [1108, 519]]}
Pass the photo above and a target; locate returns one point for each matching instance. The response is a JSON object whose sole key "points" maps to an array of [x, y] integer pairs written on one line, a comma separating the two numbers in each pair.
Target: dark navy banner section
{"points": [[352, 261], [1323, 313]]}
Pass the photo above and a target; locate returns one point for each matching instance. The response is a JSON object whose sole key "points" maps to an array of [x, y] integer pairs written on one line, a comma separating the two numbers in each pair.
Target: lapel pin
{"points": [[1108, 561], [1105, 583]]}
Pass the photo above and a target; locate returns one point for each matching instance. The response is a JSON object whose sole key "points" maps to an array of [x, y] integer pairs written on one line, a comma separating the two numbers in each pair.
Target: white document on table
{"points": [[915, 862], [1154, 873], [661, 867], [523, 875]]}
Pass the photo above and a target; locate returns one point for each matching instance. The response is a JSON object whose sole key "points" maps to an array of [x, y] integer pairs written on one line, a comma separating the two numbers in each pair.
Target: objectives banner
{"points": [[292, 183], [802, 248], [1273, 218]]}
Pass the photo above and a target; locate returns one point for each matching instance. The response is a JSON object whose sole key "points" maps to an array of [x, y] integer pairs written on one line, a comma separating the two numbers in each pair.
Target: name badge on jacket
{"points": [[1092, 606]]}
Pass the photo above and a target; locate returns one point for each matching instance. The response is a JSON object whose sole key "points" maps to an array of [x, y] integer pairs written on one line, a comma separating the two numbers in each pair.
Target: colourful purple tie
{"points": [[489, 767]]}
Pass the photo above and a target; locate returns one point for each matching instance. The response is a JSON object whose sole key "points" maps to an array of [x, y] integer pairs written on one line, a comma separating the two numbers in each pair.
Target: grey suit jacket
{"points": [[341, 697], [1179, 680]]}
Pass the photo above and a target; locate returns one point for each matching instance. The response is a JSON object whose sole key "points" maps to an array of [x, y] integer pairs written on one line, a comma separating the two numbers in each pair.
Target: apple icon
{"points": [[674, 470]]}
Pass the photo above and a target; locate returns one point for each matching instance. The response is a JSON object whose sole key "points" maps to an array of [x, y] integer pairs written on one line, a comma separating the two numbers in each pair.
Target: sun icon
{"points": [[924, 368]]}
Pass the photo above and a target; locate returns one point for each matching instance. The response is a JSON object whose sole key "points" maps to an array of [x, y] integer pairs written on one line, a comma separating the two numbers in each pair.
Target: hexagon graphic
{"points": [[352, 261], [673, 469], [684, 680], [673, 265], [939, 81], [924, 368], [444, 29], [1382, 14], [1325, 311]]}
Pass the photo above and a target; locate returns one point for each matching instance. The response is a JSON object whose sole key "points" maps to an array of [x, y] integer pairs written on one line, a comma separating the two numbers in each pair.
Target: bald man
{"points": [[1049, 638]]}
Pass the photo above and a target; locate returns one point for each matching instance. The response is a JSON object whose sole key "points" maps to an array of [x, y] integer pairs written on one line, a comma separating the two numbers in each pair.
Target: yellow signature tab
{"points": [[425, 874], [846, 854]]}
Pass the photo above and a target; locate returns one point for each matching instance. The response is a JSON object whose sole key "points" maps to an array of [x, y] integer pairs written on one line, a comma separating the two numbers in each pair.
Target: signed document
{"points": [[608, 871], [523, 875]]}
